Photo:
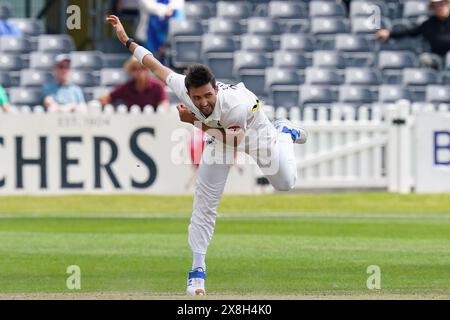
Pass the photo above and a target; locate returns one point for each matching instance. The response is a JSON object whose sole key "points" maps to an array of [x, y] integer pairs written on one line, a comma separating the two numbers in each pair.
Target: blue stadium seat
{"points": [[6, 80], [34, 78], [292, 15], [362, 76], [352, 43], [199, 10], [323, 76], [438, 94], [87, 60], [297, 42], [114, 60], [84, 78], [420, 76], [391, 64], [392, 93], [250, 60], [289, 59], [179, 27], [219, 25], [28, 26], [112, 77], [396, 60], [366, 25], [283, 85], [12, 44], [19, 96], [233, 10], [217, 43], [356, 49], [326, 9], [415, 9], [327, 26], [186, 40], [367, 8], [10, 62], [355, 94], [249, 67], [61, 43], [328, 59], [281, 76], [255, 42], [310, 95], [42, 60], [416, 80], [287, 10], [218, 52], [263, 26]]}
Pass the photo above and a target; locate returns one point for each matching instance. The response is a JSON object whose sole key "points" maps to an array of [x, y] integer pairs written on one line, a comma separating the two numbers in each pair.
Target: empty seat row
{"points": [[269, 26], [304, 95], [355, 95], [304, 9], [188, 49], [352, 75], [275, 9], [44, 43], [393, 66], [226, 64], [83, 78], [85, 60]]}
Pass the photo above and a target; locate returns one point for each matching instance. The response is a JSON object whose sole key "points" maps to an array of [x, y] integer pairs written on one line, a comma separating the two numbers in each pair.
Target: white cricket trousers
{"points": [[211, 179]]}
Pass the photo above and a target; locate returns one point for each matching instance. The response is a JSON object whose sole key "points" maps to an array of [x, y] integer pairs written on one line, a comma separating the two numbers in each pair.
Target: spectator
{"points": [[153, 25], [141, 89], [4, 102], [6, 27], [435, 30], [59, 93]]}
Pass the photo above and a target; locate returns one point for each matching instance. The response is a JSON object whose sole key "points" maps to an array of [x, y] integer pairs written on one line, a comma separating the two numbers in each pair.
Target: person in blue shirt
{"points": [[6, 27], [60, 93], [153, 27]]}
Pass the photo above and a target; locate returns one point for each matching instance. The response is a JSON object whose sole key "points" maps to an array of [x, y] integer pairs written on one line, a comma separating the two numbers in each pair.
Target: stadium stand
{"points": [[218, 54], [290, 53]]}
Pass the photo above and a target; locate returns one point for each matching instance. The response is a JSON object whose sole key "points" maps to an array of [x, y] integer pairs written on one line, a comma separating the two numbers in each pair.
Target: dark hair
{"points": [[198, 75]]}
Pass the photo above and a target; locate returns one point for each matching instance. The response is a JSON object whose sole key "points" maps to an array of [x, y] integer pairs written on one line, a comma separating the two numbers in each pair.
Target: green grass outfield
{"points": [[286, 246]]}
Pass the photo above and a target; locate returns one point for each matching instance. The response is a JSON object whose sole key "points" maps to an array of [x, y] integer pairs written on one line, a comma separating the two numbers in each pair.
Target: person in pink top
{"points": [[142, 89]]}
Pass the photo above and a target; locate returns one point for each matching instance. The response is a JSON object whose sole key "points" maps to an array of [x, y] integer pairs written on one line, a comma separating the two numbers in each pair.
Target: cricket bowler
{"points": [[233, 120]]}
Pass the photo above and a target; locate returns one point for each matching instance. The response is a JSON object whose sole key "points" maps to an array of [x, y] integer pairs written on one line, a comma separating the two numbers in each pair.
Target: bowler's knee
{"points": [[286, 184]]}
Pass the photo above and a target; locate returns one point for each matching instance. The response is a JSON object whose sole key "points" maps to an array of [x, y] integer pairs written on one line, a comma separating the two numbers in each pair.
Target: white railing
{"points": [[348, 148], [372, 152]]}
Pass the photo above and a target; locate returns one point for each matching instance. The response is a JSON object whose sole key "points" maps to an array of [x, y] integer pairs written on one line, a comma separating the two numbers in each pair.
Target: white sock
{"points": [[199, 261]]}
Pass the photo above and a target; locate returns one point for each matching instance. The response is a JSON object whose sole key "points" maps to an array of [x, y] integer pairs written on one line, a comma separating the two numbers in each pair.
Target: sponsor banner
{"points": [[104, 153], [432, 155]]}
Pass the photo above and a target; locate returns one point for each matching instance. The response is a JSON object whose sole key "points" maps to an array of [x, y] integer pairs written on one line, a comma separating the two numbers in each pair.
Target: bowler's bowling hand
{"points": [[117, 25], [185, 114]]}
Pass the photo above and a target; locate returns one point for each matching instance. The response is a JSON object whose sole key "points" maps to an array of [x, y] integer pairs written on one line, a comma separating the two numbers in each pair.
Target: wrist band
{"points": [[129, 41], [140, 52]]}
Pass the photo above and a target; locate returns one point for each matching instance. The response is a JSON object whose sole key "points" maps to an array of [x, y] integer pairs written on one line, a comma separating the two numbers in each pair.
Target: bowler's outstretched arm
{"points": [[158, 69]]}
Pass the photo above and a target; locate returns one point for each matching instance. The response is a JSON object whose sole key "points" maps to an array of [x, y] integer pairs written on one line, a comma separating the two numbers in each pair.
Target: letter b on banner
{"points": [[442, 148]]}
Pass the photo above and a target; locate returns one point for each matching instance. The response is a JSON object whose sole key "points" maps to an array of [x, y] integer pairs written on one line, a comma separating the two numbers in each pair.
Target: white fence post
{"points": [[399, 149]]}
